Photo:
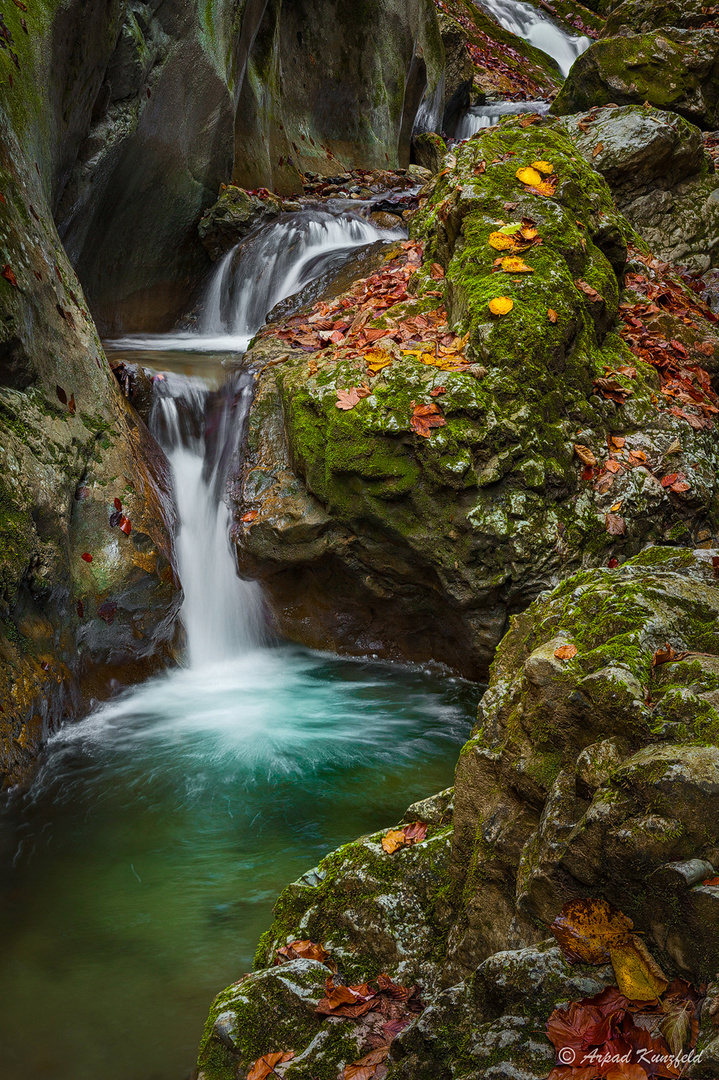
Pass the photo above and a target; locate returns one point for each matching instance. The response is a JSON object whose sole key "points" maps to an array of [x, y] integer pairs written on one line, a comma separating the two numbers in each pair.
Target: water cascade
{"points": [[268, 266], [483, 116], [143, 863], [539, 29]]}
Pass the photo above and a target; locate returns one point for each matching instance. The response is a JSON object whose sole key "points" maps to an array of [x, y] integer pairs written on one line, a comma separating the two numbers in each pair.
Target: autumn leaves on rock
{"points": [[448, 391]]}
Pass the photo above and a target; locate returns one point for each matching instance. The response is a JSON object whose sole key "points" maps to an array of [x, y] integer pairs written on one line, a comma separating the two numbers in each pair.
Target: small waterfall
{"points": [[275, 263], [482, 116], [539, 29], [429, 114], [200, 432]]}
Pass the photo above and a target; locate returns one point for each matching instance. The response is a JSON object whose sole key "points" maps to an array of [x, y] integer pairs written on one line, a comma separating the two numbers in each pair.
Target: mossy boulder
{"points": [[235, 214], [429, 150], [672, 69], [597, 774], [661, 178], [642, 16], [430, 543]]}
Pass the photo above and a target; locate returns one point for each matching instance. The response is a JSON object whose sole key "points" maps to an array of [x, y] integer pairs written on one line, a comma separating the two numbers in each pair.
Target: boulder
{"points": [[671, 69], [371, 538], [235, 214], [661, 178], [642, 16], [429, 150]]}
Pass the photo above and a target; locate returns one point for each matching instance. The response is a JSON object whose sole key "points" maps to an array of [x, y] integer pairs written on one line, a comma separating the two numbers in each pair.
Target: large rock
{"points": [[671, 69], [235, 214], [596, 775], [641, 16], [662, 180], [370, 538], [85, 607]]}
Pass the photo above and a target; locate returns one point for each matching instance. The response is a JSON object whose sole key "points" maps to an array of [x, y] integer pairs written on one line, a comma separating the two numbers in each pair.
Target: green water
{"points": [[140, 870]]}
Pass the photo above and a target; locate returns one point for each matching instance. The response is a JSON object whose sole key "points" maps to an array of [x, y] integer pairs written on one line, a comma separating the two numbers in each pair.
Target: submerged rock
{"points": [[373, 539], [663, 182]]}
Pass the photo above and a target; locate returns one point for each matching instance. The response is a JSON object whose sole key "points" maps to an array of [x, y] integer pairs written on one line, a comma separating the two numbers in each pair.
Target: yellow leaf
{"points": [[638, 975], [543, 167], [393, 841], [501, 305], [500, 242], [529, 176], [617, 506], [377, 359], [515, 265]]}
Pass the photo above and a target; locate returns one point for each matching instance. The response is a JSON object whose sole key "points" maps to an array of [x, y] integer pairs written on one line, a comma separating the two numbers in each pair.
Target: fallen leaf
{"points": [[62, 396], [437, 391], [86, 557], [617, 441], [584, 454], [115, 518], [585, 928], [514, 265], [613, 466], [501, 305], [552, 315], [587, 289], [125, 525], [250, 515], [597, 149], [677, 1025], [347, 399], [667, 655], [393, 841], [71, 405], [436, 271], [107, 611], [265, 1065], [616, 526], [529, 176], [425, 418], [566, 652], [638, 975], [543, 167], [500, 242], [302, 950], [365, 1068], [117, 503], [8, 274], [377, 360]]}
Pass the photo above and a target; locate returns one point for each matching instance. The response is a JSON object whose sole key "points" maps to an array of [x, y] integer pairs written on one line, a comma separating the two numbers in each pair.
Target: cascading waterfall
{"points": [[429, 113], [482, 116], [274, 263], [199, 432], [539, 29]]}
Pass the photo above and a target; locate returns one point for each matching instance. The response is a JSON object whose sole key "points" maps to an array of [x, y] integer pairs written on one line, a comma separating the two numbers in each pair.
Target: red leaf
{"points": [[8, 274], [250, 515], [62, 396], [125, 526], [86, 557], [116, 503], [667, 481], [425, 418], [71, 404]]}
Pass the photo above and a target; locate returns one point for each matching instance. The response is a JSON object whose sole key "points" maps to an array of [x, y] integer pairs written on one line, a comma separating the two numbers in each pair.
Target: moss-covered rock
{"points": [[431, 543], [671, 69], [642, 16], [588, 775], [663, 181]]}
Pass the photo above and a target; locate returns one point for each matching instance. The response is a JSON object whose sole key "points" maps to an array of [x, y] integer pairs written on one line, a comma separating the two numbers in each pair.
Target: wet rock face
{"points": [[642, 16], [670, 68], [88, 590], [662, 180], [370, 538]]}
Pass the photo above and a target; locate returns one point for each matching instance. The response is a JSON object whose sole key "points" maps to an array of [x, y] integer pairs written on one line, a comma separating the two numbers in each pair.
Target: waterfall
{"points": [[482, 116], [201, 432], [429, 114], [539, 29], [268, 266]]}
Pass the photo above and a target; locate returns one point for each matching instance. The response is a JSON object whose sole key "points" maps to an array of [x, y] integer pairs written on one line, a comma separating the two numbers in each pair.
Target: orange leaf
{"points": [[552, 315], [8, 274], [393, 841], [425, 418], [250, 515], [265, 1065], [584, 930], [597, 149], [566, 652]]}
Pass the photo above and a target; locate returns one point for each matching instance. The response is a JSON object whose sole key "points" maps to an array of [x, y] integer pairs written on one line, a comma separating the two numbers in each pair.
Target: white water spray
{"points": [[483, 116], [267, 267], [222, 614], [539, 29]]}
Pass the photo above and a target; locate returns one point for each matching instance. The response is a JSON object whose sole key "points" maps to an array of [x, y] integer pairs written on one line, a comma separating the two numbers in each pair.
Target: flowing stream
{"points": [[483, 116], [141, 867], [539, 29]]}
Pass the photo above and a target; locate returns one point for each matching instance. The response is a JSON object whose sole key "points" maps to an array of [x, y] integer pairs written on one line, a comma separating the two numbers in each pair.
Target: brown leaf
{"points": [[666, 655], [415, 832], [552, 315], [613, 466], [593, 295], [347, 399], [616, 526], [425, 418], [566, 652], [676, 1027], [584, 454], [597, 149], [62, 396], [250, 515], [9, 275], [107, 611], [265, 1065], [302, 950], [584, 930], [393, 841], [436, 271]]}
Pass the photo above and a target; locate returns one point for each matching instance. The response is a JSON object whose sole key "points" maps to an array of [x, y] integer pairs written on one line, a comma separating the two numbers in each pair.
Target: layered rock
{"points": [[642, 16], [670, 68], [661, 178], [371, 538]]}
